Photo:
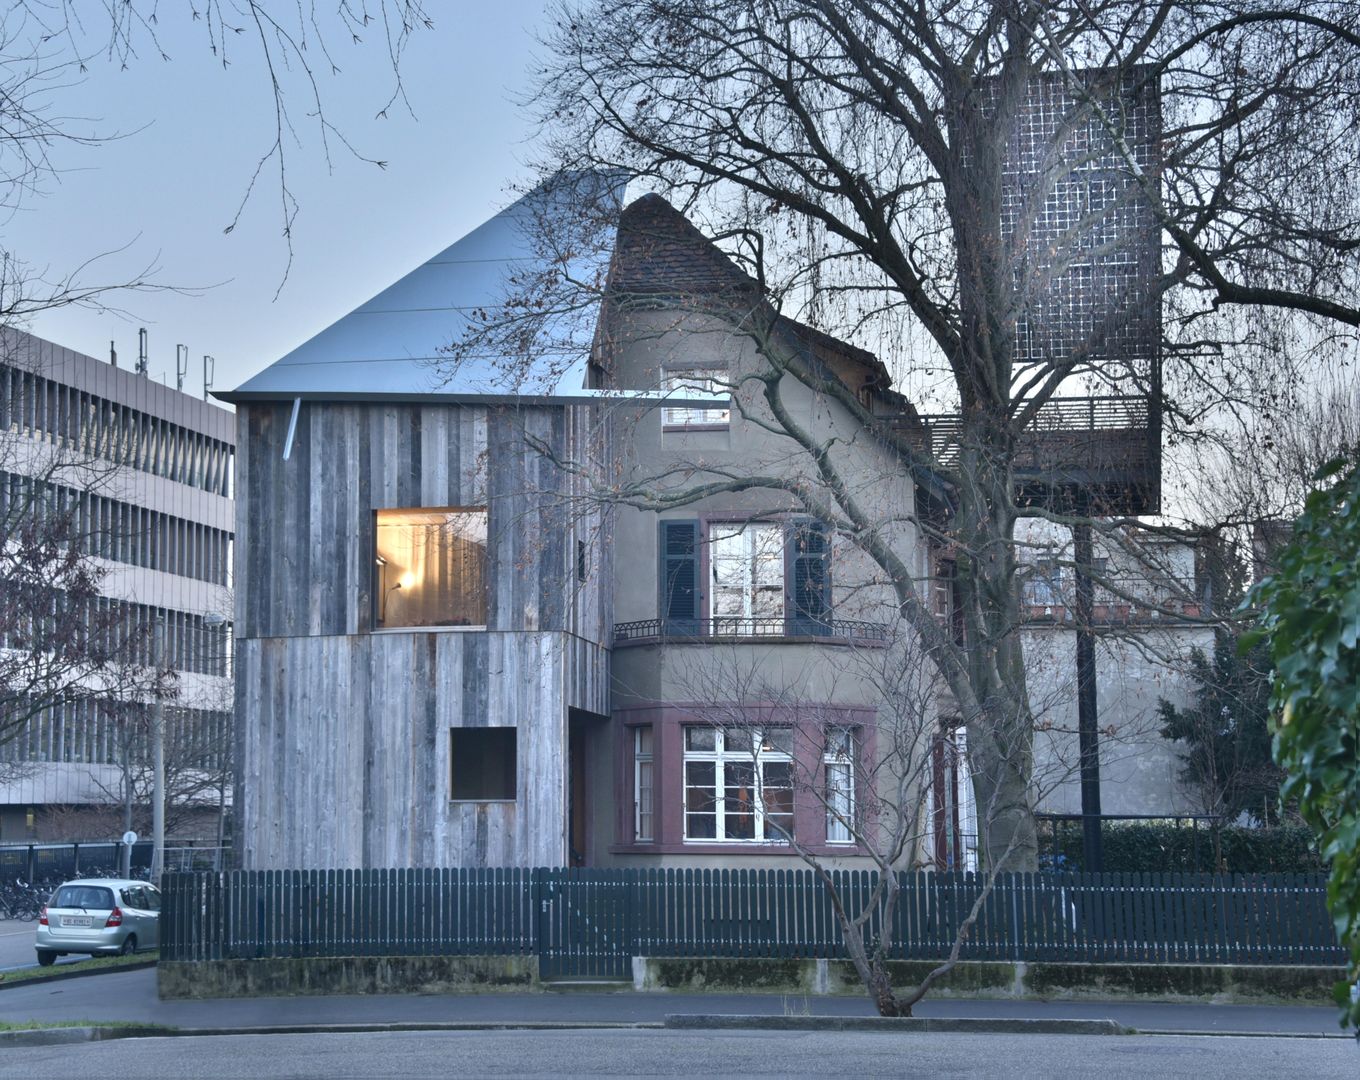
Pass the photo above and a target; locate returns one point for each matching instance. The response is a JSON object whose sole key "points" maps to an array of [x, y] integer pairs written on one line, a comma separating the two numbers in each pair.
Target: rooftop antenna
{"points": [[209, 366], [113, 355], [141, 351], [181, 365]]}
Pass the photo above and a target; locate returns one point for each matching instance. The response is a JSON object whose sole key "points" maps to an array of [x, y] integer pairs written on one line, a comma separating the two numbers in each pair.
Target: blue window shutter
{"points": [[679, 575], [810, 586]]}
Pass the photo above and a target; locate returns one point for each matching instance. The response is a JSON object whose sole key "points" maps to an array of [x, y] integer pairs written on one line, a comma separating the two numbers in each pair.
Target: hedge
{"points": [[1154, 847]]}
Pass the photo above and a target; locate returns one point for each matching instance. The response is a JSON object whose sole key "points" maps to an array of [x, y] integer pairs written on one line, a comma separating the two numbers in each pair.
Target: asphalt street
{"points": [[415, 1055]]}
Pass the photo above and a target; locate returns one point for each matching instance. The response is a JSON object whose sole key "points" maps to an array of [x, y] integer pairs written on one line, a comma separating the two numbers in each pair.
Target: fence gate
{"points": [[585, 925]]}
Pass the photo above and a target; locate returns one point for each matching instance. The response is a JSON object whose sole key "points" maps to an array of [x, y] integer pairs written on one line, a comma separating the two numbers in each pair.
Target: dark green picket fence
{"points": [[592, 922]]}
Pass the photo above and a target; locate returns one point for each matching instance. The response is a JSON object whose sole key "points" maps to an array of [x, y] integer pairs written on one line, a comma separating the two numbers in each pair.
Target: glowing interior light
{"points": [[407, 580]]}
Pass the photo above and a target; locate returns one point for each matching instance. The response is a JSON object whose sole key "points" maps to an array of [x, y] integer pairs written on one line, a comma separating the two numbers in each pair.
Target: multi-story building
{"points": [[148, 472], [447, 655]]}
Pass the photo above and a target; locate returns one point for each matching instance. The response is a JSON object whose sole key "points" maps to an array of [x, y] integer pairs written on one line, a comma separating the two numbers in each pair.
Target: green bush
{"points": [[1149, 847]]}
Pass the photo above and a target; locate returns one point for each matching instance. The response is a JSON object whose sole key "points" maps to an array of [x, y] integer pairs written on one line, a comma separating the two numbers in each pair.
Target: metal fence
{"points": [[592, 922]]}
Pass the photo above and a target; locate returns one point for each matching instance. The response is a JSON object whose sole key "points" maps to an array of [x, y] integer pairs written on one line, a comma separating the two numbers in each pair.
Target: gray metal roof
{"points": [[395, 346]]}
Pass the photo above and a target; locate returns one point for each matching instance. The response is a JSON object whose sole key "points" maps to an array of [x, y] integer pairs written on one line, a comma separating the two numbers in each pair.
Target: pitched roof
{"points": [[389, 346], [396, 345]]}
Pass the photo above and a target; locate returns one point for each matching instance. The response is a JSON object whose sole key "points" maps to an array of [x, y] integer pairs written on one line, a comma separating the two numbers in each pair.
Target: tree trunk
{"points": [[1000, 723]]}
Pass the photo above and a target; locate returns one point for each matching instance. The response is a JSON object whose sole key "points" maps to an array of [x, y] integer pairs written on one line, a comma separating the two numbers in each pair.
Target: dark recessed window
{"points": [[482, 763]]}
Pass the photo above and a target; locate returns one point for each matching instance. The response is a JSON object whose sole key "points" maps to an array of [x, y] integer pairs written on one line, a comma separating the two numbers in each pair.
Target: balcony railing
{"points": [[728, 628], [1086, 423]]}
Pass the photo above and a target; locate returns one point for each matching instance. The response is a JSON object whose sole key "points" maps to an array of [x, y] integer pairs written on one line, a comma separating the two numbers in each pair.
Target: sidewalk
{"points": [[131, 997]]}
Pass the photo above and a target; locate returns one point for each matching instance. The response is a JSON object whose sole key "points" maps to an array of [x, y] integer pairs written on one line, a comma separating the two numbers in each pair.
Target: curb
{"points": [[62, 976], [93, 1033], [969, 1025]]}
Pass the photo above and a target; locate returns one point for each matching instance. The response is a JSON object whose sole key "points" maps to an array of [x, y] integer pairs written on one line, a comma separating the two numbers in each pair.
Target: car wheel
{"points": [[129, 945], [46, 957]]}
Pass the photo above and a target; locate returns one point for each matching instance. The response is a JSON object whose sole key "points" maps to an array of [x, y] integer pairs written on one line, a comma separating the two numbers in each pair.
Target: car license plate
{"points": [[76, 920]]}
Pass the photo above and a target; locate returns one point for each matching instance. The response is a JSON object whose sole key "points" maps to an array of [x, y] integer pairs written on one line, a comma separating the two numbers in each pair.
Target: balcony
{"points": [[1105, 450], [728, 629]]}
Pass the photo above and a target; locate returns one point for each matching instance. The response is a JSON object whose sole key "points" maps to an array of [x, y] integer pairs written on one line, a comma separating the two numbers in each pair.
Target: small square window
{"points": [[691, 381], [483, 764]]}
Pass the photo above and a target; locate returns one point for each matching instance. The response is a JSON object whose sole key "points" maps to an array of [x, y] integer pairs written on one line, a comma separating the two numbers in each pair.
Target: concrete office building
{"points": [[155, 510]]}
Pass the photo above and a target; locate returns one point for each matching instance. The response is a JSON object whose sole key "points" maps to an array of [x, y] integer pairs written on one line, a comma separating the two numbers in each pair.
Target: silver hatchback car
{"points": [[99, 916]]}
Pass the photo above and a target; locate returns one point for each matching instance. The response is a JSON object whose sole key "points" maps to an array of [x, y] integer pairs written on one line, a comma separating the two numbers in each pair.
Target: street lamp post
{"points": [[158, 758], [215, 620]]}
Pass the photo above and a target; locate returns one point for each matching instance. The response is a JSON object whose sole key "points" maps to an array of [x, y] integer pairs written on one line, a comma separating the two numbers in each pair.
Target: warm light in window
{"points": [[430, 567]]}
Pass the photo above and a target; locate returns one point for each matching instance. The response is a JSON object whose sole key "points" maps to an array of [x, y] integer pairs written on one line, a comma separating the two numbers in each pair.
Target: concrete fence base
{"points": [[346, 975], [1063, 981], [970, 979]]}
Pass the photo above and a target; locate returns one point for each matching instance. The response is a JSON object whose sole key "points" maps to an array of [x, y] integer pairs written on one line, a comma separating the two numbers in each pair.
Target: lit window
{"points": [[738, 784], [839, 763], [483, 764], [642, 783], [747, 565], [431, 567], [699, 380]]}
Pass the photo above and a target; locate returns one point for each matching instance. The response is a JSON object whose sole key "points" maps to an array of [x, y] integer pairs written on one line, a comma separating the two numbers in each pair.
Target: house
{"points": [[146, 471], [448, 655]]}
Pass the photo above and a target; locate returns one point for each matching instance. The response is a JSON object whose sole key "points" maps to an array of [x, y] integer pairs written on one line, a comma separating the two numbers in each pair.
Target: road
{"points": [[414, 1055]]}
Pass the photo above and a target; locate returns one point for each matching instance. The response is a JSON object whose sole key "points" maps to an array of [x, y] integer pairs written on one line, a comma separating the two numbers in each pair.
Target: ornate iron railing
{"points": [[728, 628]]}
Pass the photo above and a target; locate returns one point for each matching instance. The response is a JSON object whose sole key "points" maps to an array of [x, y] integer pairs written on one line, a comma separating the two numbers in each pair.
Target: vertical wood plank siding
{"points": [[342, 732], [594, 921]]}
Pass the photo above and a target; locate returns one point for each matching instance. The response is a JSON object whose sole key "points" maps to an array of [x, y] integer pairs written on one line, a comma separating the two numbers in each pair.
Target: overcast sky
{"points": [[192, 134]]}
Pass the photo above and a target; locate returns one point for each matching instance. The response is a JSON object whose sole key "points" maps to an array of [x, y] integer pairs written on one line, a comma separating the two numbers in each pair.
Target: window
{"points": [[642, 784], [950, 807], [431, 567], [839, 764], [689, 381], [1044, 588], [747, 566], [738, 784], [483, 764]]}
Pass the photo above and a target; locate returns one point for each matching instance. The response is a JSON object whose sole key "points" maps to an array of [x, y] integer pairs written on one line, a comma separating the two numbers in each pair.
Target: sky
{"points": [[187, 135]]}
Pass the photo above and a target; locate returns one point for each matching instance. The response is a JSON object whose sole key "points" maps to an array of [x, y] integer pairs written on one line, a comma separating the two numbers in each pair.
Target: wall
{"points": [[345, 731]]}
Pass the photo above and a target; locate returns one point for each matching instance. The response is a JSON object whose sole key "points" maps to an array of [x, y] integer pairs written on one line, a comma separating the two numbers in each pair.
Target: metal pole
{"points": [[158, 760], [1088, 737]]}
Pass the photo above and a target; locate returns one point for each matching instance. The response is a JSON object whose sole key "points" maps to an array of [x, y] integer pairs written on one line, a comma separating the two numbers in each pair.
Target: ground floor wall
{"points": [[345, 746]]}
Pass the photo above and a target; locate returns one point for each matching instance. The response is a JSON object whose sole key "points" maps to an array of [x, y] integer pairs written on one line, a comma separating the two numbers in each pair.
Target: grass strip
{"points": [[80, 967]]}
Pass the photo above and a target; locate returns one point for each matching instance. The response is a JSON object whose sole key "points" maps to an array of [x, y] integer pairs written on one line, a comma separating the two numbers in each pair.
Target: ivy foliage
{"points": [[1311, 622]]}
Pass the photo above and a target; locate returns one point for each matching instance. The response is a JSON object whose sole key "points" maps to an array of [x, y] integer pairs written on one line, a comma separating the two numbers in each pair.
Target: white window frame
{"points": [[643, 763], [704, 380], [744, 747], [747, 536], [838, 758]]}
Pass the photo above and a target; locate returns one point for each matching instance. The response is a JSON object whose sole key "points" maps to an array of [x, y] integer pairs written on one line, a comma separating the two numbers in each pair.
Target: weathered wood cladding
{"points": [[346, 746], [305, 565], [343, 733]]}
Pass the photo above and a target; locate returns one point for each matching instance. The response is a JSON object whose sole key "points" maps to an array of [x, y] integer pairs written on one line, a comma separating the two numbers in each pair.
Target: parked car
{"points": [[99, 916]]}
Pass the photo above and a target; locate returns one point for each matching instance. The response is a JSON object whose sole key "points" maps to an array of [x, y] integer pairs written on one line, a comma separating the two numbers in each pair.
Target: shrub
{"points": [[1149, 847]]}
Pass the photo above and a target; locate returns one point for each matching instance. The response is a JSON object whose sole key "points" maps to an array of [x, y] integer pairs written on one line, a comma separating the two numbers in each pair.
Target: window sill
{"points": [[482, 802], [731, 847], [427, 629], [673, 428]]}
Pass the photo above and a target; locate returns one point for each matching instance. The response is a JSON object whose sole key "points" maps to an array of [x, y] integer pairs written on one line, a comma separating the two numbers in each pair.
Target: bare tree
{"points": [[1145, 202], [885, 789]]}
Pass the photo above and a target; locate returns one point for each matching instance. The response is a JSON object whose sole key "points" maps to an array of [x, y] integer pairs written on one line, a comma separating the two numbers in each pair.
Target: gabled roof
{"points": [[389, 346], [662, 260], [396, 345]]}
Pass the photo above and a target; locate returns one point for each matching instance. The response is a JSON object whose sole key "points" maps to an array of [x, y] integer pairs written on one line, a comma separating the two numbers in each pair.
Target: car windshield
{"points": [[83, 896]]}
